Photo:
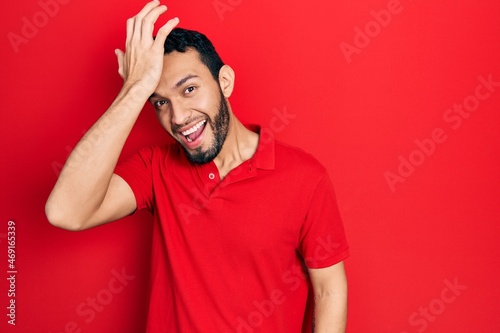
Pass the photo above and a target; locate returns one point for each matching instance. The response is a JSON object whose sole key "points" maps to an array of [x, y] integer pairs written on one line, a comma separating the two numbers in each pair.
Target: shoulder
{"points": [[286, 153], [297, 160]]}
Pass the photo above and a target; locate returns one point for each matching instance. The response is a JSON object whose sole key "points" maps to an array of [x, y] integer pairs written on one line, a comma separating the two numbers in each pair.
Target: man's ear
{"points": [[226, 80]]}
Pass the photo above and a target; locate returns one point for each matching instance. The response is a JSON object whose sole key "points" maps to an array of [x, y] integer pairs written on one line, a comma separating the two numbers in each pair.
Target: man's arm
{"points": [[330, 294], [87, 192]]}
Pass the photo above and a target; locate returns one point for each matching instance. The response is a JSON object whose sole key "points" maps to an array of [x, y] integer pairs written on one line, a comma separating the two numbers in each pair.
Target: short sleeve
{"points": [[136, 171], [322, 240]]}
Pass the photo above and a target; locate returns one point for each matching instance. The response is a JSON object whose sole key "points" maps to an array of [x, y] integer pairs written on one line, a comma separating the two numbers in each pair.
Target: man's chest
{"points": [[253, 214]]}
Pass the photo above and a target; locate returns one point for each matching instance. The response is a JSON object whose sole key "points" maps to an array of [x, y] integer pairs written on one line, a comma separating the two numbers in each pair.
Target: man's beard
{"points": [[220, 127]]}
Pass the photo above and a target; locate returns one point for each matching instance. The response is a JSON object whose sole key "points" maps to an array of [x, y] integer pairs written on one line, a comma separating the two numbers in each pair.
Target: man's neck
{"points": [[239, 146]]}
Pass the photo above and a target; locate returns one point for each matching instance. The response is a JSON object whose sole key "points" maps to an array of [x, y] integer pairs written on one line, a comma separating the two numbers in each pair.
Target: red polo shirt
{"points": [[228, 256]]}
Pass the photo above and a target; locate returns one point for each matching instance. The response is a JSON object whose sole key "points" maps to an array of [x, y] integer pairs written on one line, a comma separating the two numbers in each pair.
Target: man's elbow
{"points": [[59, 219]]}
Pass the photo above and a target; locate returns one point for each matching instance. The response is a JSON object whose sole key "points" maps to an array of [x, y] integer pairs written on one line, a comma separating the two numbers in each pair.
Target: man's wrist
{"points": [[134, 95]]}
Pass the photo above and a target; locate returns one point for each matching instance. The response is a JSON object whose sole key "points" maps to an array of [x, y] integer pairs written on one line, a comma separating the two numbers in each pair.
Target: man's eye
{"points": [[160, 103], [189, 89]]}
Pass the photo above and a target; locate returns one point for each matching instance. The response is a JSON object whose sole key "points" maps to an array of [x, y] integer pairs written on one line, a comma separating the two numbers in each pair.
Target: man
{"points": [[247, 235]]}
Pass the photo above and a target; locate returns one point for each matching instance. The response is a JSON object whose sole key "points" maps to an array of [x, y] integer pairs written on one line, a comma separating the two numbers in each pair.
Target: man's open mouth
{"points": [[193, 133]]}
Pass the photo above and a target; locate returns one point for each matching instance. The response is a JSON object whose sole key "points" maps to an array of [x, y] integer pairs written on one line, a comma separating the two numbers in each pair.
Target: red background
{"points": [[357, 118]]}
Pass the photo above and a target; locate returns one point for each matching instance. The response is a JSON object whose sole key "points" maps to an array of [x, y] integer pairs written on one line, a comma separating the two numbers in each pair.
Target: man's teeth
{"points": [[193, 129]]}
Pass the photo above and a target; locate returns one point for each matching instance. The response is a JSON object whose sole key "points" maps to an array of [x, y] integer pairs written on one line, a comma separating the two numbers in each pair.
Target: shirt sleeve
{"points": [[322, 241], [136, 171]]}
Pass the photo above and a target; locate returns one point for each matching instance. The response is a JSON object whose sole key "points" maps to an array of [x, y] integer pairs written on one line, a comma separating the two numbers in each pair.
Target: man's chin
{"points": [[200, 156]]}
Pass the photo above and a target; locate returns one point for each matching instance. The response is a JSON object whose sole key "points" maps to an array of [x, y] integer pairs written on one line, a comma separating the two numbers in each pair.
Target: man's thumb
{"points": [[119, 56]]}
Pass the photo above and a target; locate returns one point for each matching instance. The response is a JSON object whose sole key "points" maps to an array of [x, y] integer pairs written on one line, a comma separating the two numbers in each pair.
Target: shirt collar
{"points": [[264, 156]]}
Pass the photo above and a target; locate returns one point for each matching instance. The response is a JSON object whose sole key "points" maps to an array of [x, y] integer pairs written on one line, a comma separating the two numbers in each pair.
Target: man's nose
{"points": [[179, 113]]}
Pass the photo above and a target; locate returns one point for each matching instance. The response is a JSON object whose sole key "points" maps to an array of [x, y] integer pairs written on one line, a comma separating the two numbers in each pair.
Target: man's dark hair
{"points": [[182, 40]]}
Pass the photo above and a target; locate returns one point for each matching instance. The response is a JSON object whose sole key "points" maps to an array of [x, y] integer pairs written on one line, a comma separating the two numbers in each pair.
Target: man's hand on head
{"points": [[142, 62]]}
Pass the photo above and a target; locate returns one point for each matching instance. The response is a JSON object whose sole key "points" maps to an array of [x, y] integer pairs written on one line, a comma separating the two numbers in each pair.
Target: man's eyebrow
{"points": [[177, 85], [184, 80]]}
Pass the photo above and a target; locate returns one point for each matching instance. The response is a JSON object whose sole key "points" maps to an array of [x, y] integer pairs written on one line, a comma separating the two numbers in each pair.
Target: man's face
{"points": [[191, 107]]}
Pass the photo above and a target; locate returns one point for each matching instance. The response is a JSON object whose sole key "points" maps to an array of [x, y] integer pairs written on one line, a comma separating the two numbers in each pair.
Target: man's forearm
{"points": [[80, 197], [331, 313], [85, 177]]}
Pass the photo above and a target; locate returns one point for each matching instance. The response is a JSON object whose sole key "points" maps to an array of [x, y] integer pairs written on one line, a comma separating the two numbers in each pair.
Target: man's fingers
{"points": [[138, 19], [164, 31], [149, 20], [130, 31], [147, 8], [134, 23], [142, 61], [140, 27]]}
